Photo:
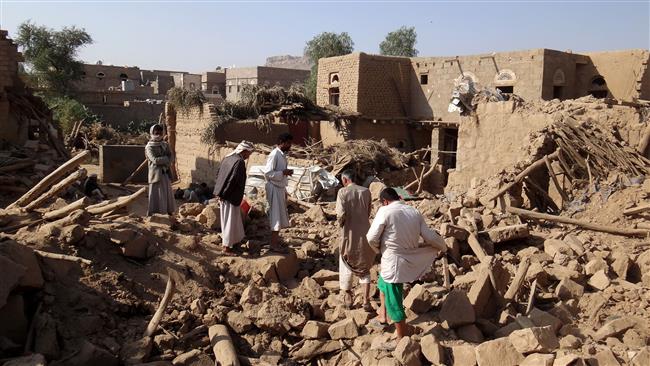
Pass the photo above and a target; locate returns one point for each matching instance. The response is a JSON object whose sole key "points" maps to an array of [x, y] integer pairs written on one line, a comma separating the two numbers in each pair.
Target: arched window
{"points": [[124, 76], [100, 75], [334, 78], [598, 87]]}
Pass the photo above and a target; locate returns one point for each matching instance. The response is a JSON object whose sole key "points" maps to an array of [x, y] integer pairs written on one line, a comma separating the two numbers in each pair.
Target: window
{"points": [[334, 96], [424, 79], [124, 76], [558, 92], [238, 88], [598, 87], [334, 78], [229, 88], [192, 86], [506, 89], [100, 75]]}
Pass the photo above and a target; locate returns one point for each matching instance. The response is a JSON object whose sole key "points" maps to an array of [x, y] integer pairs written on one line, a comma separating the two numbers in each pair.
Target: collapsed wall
{"points": [[498, 135]]}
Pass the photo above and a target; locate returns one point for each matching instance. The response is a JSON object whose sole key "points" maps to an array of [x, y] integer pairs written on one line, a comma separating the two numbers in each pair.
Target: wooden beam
{"points": [[518, 280], [523, 174]]}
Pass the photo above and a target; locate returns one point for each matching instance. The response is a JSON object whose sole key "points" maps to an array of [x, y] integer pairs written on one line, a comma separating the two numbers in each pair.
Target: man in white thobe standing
{"points": [[229, 189], [396, 231], [276, 173]]}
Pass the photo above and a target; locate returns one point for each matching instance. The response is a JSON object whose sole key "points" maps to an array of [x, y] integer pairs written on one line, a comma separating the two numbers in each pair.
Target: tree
{"points": [[51, 56], [400, 43], [326, 44]]}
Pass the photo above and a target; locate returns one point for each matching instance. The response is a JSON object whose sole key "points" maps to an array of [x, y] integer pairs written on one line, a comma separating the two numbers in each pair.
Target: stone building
{"points": [[236, 78], [10, 130], [214, 82]]}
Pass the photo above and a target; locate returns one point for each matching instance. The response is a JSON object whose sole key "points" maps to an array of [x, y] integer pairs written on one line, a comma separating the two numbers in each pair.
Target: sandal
{"points": [[368, 307]]}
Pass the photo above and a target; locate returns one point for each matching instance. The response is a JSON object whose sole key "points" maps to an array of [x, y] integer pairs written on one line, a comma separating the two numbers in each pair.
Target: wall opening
{"points": [[124, 76], [334, 77], [506, 89], [192, 86], [598, 88], [558, 92], [100, 75], [229, 88], [334, 96], [449, 146], [424, 79]]}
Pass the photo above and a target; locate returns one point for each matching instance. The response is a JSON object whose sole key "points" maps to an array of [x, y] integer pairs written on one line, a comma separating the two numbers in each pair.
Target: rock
{"points": [[122, 236], [538, 359], [449, 230], [137, 247], [453, 248], [463, 355], [198, 307], [470, 333], [498, 352], [457, 310], [343, 329], [614, 327], [46, 340], [309, 249], [314, 330], [570, 342], [316, 214], [325, 275], [13, 321], [599, 280], [239, 322], [542, 318], [595, 265], [576, 244], [72, 234], [536, 339], [269, 273], [480, 294], [286, 265], [375, 189], [89, 354], [313, 348], [190, 209], [407, 352], [164, 341], [553, 247], [432, 350], [211, 217], [606, 358], [136, 351], [31, 360], [24, 256], [642, 358], [275, 317], [566, 360], [621, 266], [633, 339], [12, 273], [251, 295], [419, 300], [507, 233], [568, 289], [312, 289], [360, 316], [186, 358]]}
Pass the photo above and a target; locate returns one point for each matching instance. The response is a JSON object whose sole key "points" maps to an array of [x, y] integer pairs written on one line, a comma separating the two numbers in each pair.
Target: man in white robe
{"points": [[229, 189], [396, 231], [276, 173]]}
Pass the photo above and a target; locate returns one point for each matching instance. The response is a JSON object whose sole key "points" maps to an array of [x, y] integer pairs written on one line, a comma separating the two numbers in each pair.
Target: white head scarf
{"points": [[154, 141], [243, 146]]}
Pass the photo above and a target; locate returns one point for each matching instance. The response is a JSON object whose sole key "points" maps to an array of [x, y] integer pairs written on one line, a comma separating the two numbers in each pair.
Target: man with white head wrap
{"points": [[160, 158], [229, 189], [276, 172]]}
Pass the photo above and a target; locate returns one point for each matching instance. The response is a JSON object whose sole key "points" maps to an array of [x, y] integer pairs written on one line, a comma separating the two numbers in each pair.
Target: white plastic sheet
{"points": [[302, 184]]}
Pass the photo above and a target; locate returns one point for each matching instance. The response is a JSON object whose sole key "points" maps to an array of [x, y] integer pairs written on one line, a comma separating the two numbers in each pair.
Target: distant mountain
{"points": [[289, 62]]}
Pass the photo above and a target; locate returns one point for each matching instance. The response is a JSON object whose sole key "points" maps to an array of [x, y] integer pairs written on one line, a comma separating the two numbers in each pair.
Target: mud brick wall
{"points": [[347, 68], [384, 86], [9, 57], [626, 73]]}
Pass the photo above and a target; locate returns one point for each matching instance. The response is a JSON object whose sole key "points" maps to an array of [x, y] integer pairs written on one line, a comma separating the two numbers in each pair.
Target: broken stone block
{"points": [[309, 249], [480, 294], [599, 280], [570, 342], [642, 358], [251, 295], [538, 359], [463, 355], [122, 236], [633, 339], [277, 317], [31, 360], [498, 352], [12, 273], [553, 247], [566, 360], [507, 233], [198, 307], [457, 310], [72, 234], [239, 322], [536, 339], [211, 215], [568, 289], [90, 354], [614, 327], [470, 333], [286, 265], [595, 265], [449, 230], [576, 244], [343, 329], [325, 275], [24, 256], [432, 350], [419, 300], [136, 247], [312, 289], [314, 330], [164, 341], [360, 316], [136, 351], [606, 358], [542, 318], [453, 248], [407, 352], [313, 348], [621, 266], [190, 209], [186, 358]]}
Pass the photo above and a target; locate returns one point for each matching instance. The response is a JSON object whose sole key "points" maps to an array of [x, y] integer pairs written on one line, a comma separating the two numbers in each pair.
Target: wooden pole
{"points": [[551, 172], [64, 257], [637, 209], [157, 317], [53, 177], [17, 165], [57, 188], [445, 272], [476, 247], [76, 205], [135, 172], [222, 346], [101, 208], [645, 141], [520, 276], [583, 224], [531, 297], [523, 174]]}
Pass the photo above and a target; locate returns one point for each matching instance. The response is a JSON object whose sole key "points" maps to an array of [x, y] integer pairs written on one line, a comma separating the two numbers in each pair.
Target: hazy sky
{"points": [[200, 35]]}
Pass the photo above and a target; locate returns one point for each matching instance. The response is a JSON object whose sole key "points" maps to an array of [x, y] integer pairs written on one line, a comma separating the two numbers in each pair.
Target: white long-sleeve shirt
{"points": [[276, 163], [396, 230]]}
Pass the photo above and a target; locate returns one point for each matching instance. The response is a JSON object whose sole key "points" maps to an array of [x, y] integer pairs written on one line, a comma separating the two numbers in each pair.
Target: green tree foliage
{"points": [[326, 44], [51, 56], [400, 43], [68, 111]]}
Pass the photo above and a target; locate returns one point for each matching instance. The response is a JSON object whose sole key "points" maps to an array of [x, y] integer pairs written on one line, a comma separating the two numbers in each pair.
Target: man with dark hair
{"points": [[276, 172], [353, 204], [396, 230], [229, 189]]}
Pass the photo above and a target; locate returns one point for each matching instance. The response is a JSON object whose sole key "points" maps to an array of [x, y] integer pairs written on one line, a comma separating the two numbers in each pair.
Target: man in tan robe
{"points": [[353, 204]]}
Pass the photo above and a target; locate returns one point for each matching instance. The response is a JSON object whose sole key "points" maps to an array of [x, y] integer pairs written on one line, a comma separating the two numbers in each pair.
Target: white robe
{"points": [[397, 229], [232, 225], [276, 189]]}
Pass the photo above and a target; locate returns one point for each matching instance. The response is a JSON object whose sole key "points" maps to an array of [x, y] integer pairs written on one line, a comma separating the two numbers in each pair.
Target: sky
{"points": [[200, 35]]}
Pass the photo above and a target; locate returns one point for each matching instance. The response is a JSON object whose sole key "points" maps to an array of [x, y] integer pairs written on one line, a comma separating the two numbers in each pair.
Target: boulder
{"points": [[595, 265], [541, 318], [621, 266], [286, 265], [186, 358], [407, 352], [210, 217], [536, 339], [136, 351], [325, 275], [507, 233], [239, 322], [453, 231], [498, 352], [539, 359], [314, 330], [480, 295], [137, 247], [251, 295], [457, 310], [275, 316], [463, 355], [568, 289], [614, 327], [312, 289], [312, 348], [599, 280], [24, 256], [605, 357], [12, 273], [553, 247], [419, 300], [190, 209], [72, 234], [470, 333], [343, 329], [432, 350]]}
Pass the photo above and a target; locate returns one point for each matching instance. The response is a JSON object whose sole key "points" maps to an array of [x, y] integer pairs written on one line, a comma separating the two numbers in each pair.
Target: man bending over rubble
{"points": [[275, 173], [396, 231], [229, 189], [353, 204]]}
